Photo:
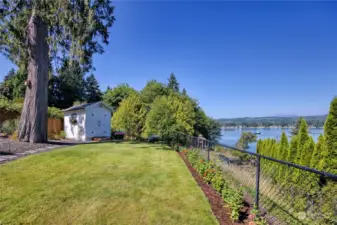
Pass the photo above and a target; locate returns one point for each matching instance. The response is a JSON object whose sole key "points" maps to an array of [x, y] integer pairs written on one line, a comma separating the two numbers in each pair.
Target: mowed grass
{"points": [[106, 183]]}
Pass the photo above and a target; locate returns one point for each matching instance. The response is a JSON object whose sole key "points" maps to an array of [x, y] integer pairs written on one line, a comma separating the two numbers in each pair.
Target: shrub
{"points": [[233, 198], [62, 134], [15, 135], [212, 174], [9, 126], [218, 181], [54, 112]]}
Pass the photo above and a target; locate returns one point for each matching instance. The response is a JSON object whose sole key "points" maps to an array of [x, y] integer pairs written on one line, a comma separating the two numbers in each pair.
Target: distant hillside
{"points": [[283, 121]]}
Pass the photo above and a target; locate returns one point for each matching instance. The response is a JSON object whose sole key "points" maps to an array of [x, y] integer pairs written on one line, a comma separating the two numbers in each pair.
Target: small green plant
{"points": [[254, 217], [9, 126], [233, 198], [62, 134], [212, 174], [218, 181]]}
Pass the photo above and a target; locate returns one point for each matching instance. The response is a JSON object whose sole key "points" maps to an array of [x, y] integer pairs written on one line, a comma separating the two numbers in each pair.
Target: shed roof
{"points": [[85, 105]]}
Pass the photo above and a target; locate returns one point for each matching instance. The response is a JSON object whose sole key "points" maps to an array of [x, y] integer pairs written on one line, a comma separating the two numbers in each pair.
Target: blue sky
{"points": [[238, 59]]}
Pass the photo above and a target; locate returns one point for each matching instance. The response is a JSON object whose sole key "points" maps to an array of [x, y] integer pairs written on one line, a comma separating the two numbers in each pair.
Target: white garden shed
{"points": [[86, 121]]}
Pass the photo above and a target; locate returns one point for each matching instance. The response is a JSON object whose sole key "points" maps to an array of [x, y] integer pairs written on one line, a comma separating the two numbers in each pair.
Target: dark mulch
{"points": [[11, 147], [221, 212]]}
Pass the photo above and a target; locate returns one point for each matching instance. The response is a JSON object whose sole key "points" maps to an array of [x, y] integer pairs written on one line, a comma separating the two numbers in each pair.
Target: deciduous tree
{"points": [[130, 116], [115, 96]]}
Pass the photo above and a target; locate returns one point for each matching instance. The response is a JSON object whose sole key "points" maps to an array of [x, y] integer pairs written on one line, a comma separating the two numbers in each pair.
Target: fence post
{"points": [[257, 190], [208, 152]]}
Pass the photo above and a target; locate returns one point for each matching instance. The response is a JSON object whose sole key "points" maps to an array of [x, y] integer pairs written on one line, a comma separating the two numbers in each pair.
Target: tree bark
{"points": [[34, 117]]}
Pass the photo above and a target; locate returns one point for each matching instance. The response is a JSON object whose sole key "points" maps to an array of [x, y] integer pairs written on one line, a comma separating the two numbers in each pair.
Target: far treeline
{"points": [[312, 121]]}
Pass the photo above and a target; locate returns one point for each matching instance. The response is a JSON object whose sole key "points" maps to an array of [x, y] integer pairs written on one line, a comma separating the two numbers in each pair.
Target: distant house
{"points": [[86, 121]]}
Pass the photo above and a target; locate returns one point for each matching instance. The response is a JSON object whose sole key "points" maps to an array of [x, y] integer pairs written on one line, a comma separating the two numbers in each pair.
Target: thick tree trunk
{"points": [[34, 117]]}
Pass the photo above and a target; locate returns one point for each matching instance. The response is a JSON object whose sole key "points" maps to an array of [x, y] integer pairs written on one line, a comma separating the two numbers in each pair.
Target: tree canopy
{"points": [[130, 115], [152, 90], [116, 95], [76, 29]]}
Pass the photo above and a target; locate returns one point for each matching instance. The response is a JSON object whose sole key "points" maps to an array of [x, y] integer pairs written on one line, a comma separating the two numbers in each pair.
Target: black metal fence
{"points": [[283, 192]]}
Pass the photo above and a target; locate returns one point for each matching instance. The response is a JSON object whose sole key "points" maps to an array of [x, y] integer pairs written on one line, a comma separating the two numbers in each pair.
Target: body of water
{"points": [[231, 136]]}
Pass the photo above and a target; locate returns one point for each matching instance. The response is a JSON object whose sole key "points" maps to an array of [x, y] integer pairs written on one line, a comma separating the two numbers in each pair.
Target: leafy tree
{"points": [[92, 91], [6, 87], [130, 115], [13, 85], [213, 130], [115, 96], [170, 115], [33, 33], [245, 139], [173, 83], [152, 90]]}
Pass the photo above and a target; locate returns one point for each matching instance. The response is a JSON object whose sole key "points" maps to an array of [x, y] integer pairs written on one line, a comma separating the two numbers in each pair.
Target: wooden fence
{"points": [[54, 126]]}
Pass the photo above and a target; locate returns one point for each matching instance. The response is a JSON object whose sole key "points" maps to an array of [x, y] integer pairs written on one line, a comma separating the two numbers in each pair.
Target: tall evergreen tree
{"points": [[283, 151], [322, 152], [284, 146], [173, 83], [295, 130], [319, 154], [303, 137], [92, 91], [292, 151], [330, 133], [34, 33], [307, 152], [184, 92]]}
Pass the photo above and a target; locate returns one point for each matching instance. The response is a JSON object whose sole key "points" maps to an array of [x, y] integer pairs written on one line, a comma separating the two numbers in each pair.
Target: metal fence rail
{"points": [[283, 192]]}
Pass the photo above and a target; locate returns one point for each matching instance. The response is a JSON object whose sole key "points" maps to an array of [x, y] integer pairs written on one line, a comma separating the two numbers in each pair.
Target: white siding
{"points": [[98, 119], [77, 131]]}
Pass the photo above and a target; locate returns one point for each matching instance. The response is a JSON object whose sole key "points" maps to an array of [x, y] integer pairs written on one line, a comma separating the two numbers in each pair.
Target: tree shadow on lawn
{"points": [[157, 146]]}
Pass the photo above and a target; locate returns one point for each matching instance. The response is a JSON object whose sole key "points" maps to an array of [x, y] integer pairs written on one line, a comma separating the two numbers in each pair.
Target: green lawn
{"points": [[106, 183]]}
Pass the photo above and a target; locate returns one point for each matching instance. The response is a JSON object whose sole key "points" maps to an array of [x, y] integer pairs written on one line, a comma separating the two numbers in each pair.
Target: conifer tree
{"points": [[319, 153], [329, 161], [292, 151], [173, 83], [330, 134], [283, 151], [303, 137], [307, 152]]}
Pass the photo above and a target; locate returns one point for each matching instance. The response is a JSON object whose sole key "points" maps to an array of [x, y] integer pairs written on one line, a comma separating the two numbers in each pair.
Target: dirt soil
{"points": [[219, 209]]}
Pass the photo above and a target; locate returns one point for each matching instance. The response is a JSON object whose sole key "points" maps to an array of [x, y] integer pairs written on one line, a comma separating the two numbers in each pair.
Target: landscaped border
{"points": [[219, 209]]}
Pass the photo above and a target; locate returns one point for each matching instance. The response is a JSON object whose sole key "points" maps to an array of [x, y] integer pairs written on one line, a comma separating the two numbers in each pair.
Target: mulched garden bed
{"points": [[221, 212], [12, 147]]}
